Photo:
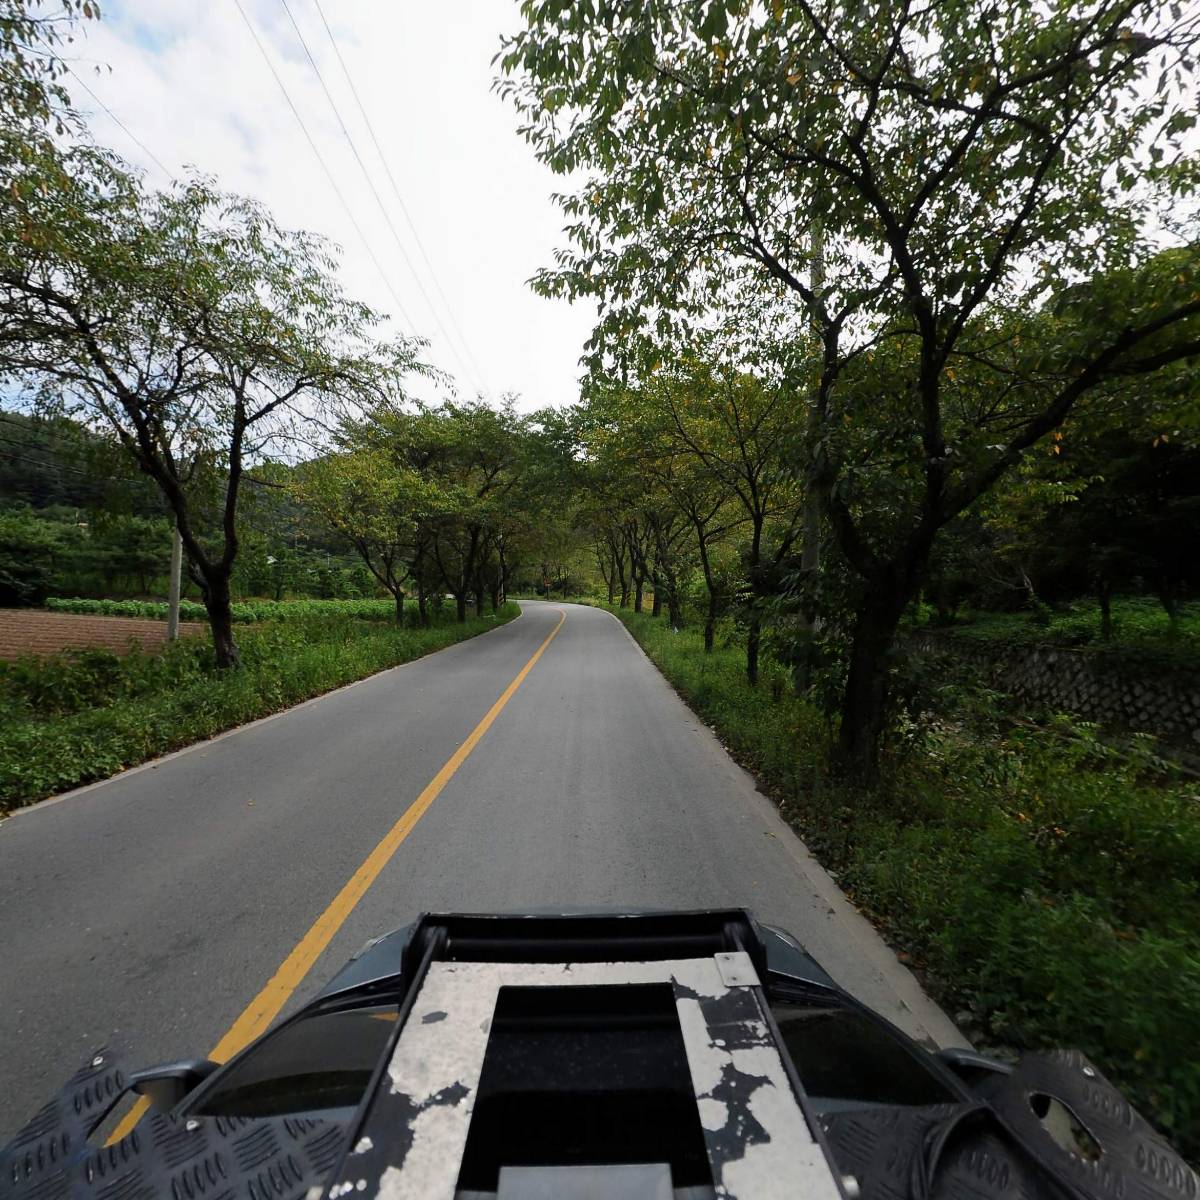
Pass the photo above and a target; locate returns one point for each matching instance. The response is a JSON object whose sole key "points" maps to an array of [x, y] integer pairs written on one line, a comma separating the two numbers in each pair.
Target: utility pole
{"points": [[173, 586]]}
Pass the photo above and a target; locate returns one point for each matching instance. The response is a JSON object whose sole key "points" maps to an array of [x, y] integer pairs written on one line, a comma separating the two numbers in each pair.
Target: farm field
{"points": [[31, 632]]}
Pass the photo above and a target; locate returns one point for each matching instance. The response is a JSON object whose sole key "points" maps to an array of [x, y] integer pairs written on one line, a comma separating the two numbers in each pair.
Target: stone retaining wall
{"points": [[1096, 686]]}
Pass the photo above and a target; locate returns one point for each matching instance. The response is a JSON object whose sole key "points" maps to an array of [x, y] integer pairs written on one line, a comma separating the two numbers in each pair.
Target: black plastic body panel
{"points": [[188, 1156]]}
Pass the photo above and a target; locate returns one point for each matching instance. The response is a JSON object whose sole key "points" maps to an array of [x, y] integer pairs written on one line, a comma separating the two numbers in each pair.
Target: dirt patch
{"points": [[26, 631]]}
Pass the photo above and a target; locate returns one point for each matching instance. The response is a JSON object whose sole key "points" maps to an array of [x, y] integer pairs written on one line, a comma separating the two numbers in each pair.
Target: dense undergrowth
{"points": [[1046, 884], [71, 720], [1141, 630]]}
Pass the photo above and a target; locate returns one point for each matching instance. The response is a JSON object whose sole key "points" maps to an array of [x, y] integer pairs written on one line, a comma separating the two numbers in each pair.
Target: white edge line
{"points": [[154, 763]]}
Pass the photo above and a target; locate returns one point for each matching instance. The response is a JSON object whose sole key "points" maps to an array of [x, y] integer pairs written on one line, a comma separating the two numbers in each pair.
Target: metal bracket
{"points": [[737, 969]]}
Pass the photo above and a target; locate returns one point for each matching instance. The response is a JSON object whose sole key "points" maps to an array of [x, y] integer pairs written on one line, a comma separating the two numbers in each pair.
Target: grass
{"points": [[244, 611], [73, 720], [1046, 885]]}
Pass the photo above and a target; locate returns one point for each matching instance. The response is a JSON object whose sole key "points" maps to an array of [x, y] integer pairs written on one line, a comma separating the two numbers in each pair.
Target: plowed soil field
{"points": [[26, 631]]}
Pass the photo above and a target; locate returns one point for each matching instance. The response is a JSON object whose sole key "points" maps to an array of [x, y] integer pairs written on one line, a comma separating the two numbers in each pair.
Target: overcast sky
{"points": [[189, 82]]}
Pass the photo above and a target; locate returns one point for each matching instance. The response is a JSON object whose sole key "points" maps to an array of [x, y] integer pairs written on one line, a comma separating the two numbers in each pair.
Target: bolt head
{"points": [[98, 1061]]}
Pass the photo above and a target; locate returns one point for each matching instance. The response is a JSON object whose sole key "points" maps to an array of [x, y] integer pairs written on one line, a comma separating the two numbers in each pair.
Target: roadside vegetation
{"points": [[1040, 881], [242, 612], [71, 720], [1140, 629], [866, 277]]}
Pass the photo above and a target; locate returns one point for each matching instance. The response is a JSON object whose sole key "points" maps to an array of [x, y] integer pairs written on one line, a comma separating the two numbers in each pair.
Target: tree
{"points": [[738, 432], [29, 550], [634, 435], [372, 504], [479, 459], [32, 95], [541, 519], [187, 323], [967, 161], [1133, 520]]}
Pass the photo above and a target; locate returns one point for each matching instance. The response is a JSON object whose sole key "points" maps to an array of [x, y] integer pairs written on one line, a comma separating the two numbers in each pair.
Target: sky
{"points": [[189, 83]]}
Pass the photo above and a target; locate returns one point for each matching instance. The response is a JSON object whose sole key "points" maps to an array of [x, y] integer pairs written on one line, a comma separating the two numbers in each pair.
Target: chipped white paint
{"points": [[714, 1114], [705, 1057], [447, 1054], [755, 1176], [789, 1162]]}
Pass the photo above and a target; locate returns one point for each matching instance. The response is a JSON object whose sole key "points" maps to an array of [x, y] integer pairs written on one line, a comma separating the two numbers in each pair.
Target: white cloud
{"points": [[189, 82]]}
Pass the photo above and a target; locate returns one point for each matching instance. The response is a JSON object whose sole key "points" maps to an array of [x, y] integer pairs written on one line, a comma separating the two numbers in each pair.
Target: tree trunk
{"points": [[423, 608], [619, 568], [398, 595], [460, 607], [501, 588], [494, 597], [674, 608], [1041, 614], [710, 620], [754, 633], [1169, 599], [656, 607], [479, 600], [753, 639], [638, 588], [220, 618], [864, 702]]}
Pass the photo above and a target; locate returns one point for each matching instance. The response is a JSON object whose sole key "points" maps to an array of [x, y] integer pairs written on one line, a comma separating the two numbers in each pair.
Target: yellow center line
{"points": [[265, 1007]]}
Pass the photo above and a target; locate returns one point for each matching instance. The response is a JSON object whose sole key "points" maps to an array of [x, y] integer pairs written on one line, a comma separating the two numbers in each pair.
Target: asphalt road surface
{"points": [[148, 911]]}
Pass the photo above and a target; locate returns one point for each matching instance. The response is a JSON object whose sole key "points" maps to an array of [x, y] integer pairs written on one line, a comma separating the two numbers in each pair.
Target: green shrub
{"points": [[1142, 634], [244, 612], [69, 722], [1046, 884]]}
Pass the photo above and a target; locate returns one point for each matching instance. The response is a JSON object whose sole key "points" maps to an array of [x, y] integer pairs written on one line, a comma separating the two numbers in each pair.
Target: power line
{"points": [[395, 187], [57, 466], [92, 475], [371, 184], [133, 137], [325, 166], [64, 467]]}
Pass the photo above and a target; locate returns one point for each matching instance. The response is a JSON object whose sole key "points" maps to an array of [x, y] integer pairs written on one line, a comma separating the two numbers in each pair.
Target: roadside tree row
{"points": [[935, 238]]}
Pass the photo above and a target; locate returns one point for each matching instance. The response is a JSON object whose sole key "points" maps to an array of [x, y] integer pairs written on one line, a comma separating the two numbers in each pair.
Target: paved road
{"points": [[150, 909]]}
